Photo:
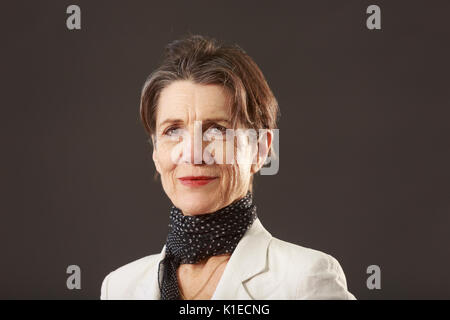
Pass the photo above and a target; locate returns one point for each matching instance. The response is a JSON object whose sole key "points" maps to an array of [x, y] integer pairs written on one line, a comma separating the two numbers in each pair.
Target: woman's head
{"points": [[201, 89]]}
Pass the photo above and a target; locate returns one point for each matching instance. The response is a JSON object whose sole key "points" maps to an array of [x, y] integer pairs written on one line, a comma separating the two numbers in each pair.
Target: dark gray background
{"points": [[364, 137]]}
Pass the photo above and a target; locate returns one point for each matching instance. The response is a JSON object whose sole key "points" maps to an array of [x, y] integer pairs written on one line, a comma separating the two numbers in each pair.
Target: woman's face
{"points": [[180, 106]]}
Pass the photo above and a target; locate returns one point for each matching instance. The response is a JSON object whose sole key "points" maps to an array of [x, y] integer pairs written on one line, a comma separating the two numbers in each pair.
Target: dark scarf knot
{"points": [[194, 238]]}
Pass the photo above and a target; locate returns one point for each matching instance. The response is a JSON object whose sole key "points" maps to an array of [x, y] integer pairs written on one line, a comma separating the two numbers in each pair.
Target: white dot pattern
{"points": [[194, 238]]}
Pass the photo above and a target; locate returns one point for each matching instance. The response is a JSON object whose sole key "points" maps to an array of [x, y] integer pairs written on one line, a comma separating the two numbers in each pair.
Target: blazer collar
{"points": [[248, 259]]}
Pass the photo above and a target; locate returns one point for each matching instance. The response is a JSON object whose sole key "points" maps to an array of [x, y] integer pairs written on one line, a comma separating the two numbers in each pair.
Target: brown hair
{"points": [[204, 60]]}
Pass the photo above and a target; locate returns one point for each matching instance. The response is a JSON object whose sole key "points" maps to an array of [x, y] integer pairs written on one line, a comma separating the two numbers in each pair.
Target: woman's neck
{"points": [[197, 269]]}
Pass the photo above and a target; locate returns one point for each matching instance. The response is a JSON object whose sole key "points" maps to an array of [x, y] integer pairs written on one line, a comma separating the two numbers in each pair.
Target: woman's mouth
{"points": [[195, 181]]}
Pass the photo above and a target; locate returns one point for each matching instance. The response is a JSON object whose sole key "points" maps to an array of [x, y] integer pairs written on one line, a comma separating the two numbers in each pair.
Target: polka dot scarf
{"points": [[194, 238]]}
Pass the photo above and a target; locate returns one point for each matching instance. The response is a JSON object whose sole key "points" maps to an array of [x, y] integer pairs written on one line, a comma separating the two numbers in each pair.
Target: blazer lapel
{"points": [[248, 259], [148, 288]]}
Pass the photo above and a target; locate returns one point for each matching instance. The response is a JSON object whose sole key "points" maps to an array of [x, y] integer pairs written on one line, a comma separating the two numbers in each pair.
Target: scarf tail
{"points": [[167, 278]]}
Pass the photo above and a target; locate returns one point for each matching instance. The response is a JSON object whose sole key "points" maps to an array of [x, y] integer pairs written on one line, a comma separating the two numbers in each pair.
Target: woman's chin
{"points": [[196, 202]]}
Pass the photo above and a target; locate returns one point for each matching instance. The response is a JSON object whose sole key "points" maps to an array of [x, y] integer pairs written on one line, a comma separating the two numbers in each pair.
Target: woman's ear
{"points": [[154, 155], [264, 145]]}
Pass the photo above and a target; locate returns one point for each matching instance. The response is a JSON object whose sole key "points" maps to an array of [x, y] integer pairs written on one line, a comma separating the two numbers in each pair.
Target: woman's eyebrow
{"points": [[216, 120], [171, 121], [203, 121]]}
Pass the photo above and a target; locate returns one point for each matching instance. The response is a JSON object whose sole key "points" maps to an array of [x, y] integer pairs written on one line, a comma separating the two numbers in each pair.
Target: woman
{"points": [[195, 107]]}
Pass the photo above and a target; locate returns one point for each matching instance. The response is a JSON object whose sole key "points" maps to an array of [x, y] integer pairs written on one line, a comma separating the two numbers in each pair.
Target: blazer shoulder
{"points": [[318, 275], [127, 276], [307, 259]]}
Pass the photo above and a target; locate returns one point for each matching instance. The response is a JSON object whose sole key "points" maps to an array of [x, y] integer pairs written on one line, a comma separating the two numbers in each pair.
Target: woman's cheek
{"points": [[166, 155]]}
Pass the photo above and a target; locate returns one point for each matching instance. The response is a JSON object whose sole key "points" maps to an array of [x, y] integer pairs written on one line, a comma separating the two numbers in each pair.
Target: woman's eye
{"points": [[217, 129], [172, 131]]}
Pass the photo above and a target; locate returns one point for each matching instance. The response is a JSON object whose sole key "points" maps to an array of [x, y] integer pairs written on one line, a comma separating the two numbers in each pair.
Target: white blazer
{"points": [[261, 267]]}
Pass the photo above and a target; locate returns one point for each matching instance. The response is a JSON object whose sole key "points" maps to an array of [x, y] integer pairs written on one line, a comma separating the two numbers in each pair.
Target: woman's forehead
{"points": [[189, 101]]}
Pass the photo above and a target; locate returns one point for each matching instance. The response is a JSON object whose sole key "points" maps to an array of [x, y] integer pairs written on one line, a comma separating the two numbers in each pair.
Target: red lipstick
{"points": [[195, 181]]}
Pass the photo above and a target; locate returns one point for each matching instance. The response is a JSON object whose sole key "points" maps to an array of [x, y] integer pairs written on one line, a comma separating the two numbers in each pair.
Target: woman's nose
{"points": [[194, 151]]}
